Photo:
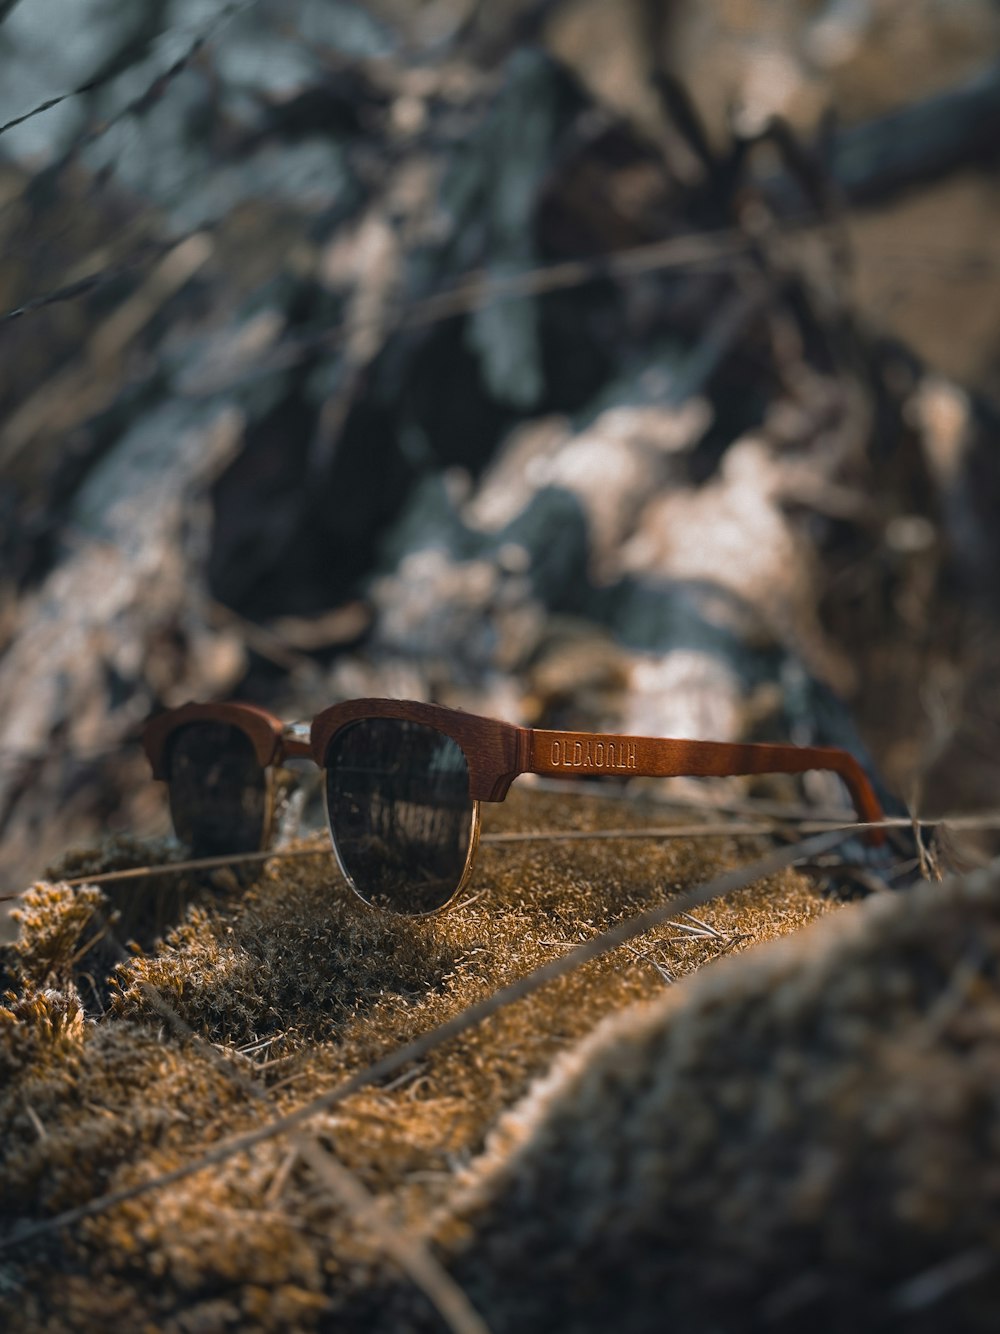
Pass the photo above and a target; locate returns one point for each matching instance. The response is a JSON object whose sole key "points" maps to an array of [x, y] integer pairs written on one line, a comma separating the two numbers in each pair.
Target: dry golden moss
{"points": [[295, 983], [53, 922], [808, 1139]]}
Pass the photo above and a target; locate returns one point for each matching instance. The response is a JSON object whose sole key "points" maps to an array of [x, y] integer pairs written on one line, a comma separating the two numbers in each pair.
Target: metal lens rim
{"points": [[470, 855]]}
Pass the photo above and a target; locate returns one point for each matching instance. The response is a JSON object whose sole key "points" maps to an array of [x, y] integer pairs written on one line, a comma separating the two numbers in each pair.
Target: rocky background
{"points": [[626, 365]]}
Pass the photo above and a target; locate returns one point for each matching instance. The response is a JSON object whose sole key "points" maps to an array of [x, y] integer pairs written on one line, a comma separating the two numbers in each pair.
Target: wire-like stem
{"points": [[393, 1061]]}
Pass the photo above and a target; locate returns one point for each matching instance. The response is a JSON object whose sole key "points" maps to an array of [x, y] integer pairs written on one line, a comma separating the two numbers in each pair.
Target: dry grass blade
{"points": [[727, 883], [481, 289], [80, 381], [139, 103], [470, 292], [729, 829], [986, 821], [412, 1257], [721, 830], [408, 1252], [147, 255], [931, 1286], [194, 864]]}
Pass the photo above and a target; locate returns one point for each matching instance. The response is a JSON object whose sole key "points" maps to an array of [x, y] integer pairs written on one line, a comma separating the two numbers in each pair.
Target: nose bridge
{"points": [[295, 742]]}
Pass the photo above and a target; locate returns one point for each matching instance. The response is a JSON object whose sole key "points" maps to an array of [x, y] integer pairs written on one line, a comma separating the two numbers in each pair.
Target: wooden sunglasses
{"points": [[404, 781]]}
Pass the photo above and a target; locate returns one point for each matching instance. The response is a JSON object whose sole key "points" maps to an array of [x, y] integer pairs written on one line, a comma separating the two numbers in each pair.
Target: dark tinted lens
{"points": [[400, 812], [218, 791]]}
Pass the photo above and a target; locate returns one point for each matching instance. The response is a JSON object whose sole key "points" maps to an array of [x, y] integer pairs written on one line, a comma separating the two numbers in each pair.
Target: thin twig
{"points": [[153, 91], [194, 864], [92, 282], [393, 1061], [988, 820], [929, 1287], [85, 949], [718, 830], [409, 1252], [471, 291]]}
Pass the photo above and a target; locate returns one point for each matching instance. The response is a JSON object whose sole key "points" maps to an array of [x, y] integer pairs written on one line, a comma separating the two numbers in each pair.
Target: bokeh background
{"points": [[627, 365]]}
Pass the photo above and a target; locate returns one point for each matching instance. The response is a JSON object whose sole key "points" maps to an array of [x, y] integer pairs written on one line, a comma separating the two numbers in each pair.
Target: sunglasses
{"points": [[404, 782]]}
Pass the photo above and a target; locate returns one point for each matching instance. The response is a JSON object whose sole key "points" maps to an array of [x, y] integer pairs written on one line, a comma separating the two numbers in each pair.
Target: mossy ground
{"points": [[295, 984], [808, 1138]]}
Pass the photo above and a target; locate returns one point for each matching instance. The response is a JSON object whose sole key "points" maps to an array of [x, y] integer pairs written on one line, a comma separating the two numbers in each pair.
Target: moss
{"points": [[53, 922], [810, 1134], [145, 909], [294, 983]]}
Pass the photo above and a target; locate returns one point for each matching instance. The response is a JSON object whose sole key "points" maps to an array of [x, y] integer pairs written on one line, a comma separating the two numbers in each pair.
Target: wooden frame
{"points": [[497, 752], [272, 739]]}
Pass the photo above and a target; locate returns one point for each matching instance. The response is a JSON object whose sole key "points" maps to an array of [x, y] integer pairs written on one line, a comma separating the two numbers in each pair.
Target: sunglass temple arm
{"points": [[583, 753]]}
